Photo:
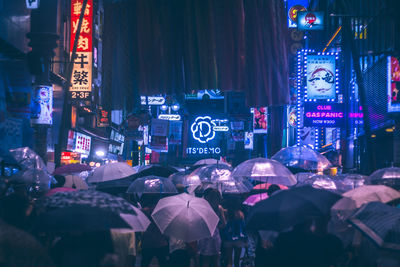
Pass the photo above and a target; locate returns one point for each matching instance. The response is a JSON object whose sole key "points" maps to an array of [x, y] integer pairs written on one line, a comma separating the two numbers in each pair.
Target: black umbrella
{"points": [[287, 208], [379, 222], [79, 218], [156, 170]]}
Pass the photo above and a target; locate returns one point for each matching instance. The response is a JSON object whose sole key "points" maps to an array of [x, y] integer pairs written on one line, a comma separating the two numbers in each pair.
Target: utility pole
{"points": [[43, 40]]}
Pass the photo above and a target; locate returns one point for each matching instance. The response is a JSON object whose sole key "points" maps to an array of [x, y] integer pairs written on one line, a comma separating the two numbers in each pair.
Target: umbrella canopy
{"points": [[152, 185], [324, 182], [254, 199], [185, 217], [225, 187], [72, 168], [302, 157], [264, 170], [138, 222], [379, 222], [353, 200], [79, 218], [156, 170], [40, 177], [18, 248], [86, 198], [265, 186], [386, 176], [365, 194], [111, 171], [211, 161], [178, 177], [59, 189], [213, 173], [75, 182], [115, 186], [28, 158], [352, 180], [290, 207]]}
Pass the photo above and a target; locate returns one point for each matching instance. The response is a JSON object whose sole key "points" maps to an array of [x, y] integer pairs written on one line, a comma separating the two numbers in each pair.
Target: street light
{"points": [[100, 153]]}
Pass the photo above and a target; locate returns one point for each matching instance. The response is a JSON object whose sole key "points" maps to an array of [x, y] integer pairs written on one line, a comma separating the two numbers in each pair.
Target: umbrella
{"points": [[40, 177], [152, 185], [351, 201], [75, 182], [324, 182], [115, 186], [302, 158], [185, 217], [138, 222], [86, 198], [72, 168], [79, 218], [28, 158], [111, 171], [352, 180], [302, 176], [211, 161], [254, 199], [157, 170], [386, 176], [178, 177], [18, 248], [225, 187], [213, 173], [264, 170], [265, 186], [379, 222], [59, 189], [290, 207]]}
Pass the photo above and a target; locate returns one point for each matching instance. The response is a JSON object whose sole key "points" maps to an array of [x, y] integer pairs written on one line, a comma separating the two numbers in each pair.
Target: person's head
{"points": [[60, 181], [213, 196], [180, 188], [272, 189]]}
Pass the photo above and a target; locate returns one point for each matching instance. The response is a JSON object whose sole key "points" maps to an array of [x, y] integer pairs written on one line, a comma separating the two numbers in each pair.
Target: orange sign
{"points": [[70, 157]]}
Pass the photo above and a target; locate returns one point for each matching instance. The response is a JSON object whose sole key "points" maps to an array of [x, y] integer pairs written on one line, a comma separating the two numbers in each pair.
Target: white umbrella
{"points": [[111, 171], [185, 217], [74, 181], [138, 222]]}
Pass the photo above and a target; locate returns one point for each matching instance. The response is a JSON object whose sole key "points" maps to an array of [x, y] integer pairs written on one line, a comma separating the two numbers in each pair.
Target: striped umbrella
{"points": [[379, 222]]}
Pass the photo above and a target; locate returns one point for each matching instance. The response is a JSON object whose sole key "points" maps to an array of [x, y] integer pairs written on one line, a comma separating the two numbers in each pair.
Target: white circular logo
{"points": [[202, 129]]}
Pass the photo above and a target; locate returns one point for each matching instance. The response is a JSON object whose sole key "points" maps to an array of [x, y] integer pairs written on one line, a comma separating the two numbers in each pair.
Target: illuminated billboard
{"points": [[393, 84], [308, 20], [321, 77], [323, 115]]}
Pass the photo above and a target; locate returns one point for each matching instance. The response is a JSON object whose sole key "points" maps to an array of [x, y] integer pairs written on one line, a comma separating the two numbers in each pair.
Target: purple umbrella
{"points": [[72, 168]]}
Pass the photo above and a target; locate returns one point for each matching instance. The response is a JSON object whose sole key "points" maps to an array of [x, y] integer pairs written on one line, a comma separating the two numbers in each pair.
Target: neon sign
{"points": [[203, 150], [170, 117], [322, 115], [202, 129]]}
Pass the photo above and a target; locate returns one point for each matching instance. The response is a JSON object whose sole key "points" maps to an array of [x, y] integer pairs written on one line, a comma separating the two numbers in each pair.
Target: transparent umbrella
{"points": [[28, 158], [152, 185], [178, 177], [264, 170], [39, 180], [213, 173], [301, 157], [323, 182], [386, 176], [352, 180], [211, 161]]}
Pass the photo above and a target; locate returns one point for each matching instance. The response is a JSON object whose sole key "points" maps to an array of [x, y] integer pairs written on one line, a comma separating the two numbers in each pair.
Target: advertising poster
{"points": [[248, 140], [82, 143], [260, 123], [393, 84], [310, 20], [321, 77], [159, 127], [42, 105], [175, 132]]}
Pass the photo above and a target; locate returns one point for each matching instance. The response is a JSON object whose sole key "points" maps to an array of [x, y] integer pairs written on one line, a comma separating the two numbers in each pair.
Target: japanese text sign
{"points": [[81, 81]]}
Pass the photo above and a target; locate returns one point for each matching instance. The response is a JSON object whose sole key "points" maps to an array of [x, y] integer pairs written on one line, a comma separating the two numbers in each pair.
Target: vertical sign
{"points": [[81, 81], [260, 121], [393, 85], [42, 105]]}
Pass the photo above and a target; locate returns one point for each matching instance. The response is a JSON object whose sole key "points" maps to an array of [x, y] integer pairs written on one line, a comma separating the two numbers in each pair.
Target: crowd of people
{"points": [[232, 244]]}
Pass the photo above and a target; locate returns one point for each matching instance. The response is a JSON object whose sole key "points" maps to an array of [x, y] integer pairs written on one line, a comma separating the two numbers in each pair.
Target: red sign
{"points": [[103, 119], [70, 157], [85, 37]]}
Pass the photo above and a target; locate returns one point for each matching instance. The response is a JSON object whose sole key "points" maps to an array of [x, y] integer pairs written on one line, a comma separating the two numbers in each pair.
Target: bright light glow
{"points": [[175, 107], [100, 153], [164, 107]]}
